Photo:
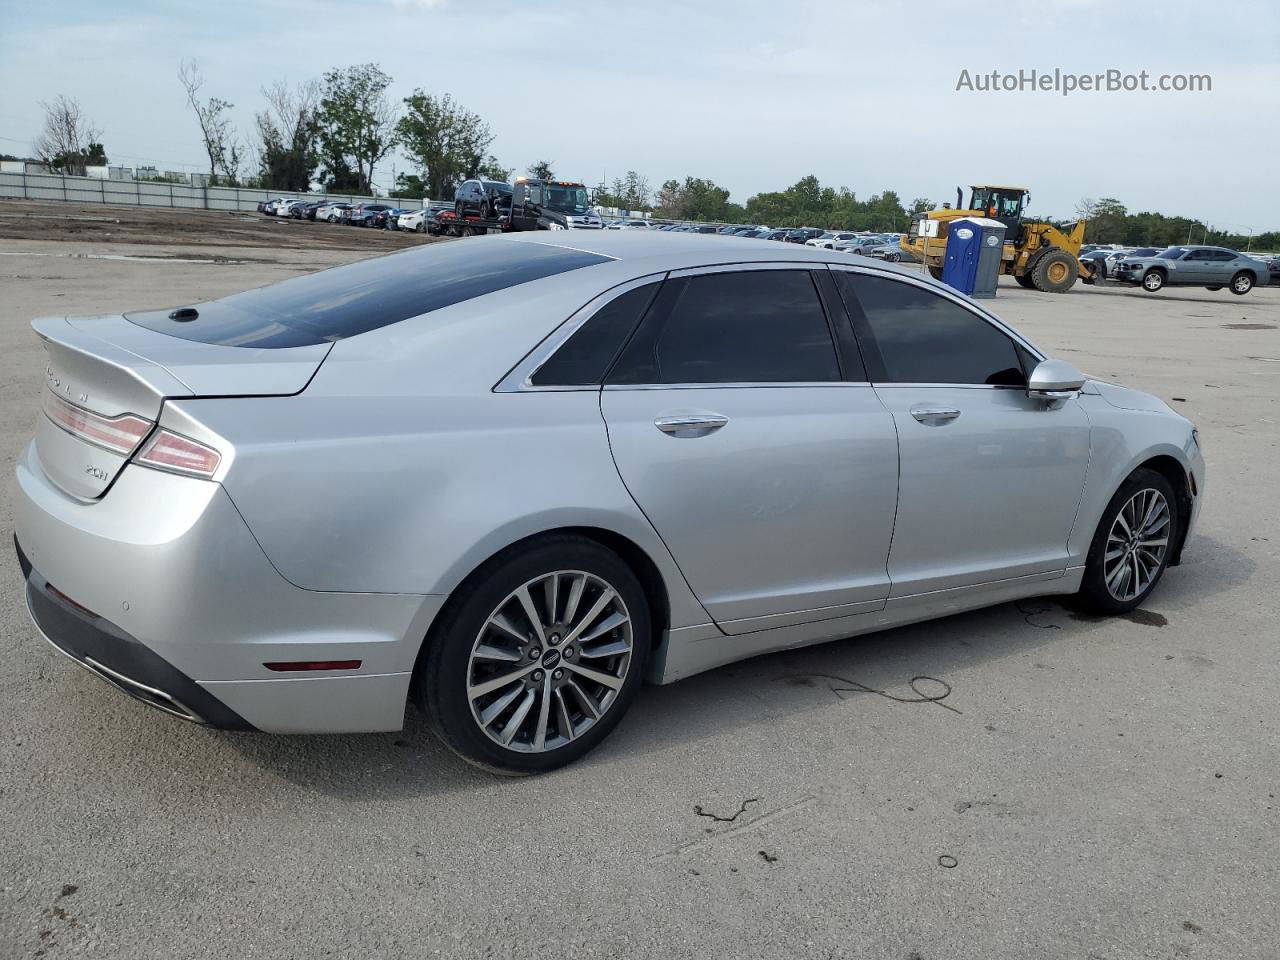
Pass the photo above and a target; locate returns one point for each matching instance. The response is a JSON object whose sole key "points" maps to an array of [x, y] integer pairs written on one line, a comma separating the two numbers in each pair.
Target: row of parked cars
{"points": [[380, 215], [883, 246], [437, 219], [1154, 268]]}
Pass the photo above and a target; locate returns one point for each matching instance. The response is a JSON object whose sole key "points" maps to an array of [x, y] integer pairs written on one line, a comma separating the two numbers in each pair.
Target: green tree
{"points": [[448, 142], [357, 124], [541, 170]]}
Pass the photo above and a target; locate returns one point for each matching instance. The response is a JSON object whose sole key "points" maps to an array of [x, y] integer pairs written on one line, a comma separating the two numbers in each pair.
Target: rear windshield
{"points": [[345, 301]]}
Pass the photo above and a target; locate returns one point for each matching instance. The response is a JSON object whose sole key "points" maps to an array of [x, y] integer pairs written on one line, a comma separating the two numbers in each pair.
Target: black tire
{"points": [[935, 272], [892, 257], [421, 227], [1242, 283], [1094, 592], [1024, 280], [443, 670], [1214, 289], [1153, 280], [1054, 272]]}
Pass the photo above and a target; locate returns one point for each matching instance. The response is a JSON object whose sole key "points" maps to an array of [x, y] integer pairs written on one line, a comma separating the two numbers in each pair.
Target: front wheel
{"points": [[1130, 548], [539, 658], [1242, 283], [1152, 281]]}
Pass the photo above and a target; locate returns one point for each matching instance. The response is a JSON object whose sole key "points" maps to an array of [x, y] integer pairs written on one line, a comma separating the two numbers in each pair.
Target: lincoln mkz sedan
{"points": [[511, 478]]}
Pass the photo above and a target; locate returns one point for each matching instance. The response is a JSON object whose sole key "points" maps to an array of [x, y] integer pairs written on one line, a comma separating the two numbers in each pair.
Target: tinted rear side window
{"points": [[926, 338], [764, 326], [353, 299], [585, 357]]}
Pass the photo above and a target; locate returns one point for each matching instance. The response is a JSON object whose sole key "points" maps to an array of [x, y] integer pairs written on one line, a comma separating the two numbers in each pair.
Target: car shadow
{"points": [[905, 668]]}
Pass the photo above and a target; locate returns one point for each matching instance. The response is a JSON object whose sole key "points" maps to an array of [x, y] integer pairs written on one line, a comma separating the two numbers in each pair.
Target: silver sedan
{"points": [[512, 478]]}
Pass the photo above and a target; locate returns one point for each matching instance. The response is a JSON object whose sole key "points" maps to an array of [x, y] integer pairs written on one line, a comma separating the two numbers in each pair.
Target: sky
{"points": [[753, 94]]}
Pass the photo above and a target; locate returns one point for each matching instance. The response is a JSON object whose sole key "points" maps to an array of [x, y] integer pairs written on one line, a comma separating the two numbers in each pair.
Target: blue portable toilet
{"points": [[964, 244], [974, 249]]}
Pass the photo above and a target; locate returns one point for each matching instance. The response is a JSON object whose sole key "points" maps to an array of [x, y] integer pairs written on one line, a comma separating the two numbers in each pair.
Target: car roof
{"points": [[647, 251]]}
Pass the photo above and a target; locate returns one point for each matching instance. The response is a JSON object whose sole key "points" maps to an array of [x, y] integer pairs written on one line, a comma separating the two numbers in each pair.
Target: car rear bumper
{"points": [[161, 583]]}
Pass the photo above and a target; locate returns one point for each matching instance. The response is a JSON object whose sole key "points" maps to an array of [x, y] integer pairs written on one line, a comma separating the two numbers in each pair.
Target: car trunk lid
{"points": [[106, 380]]}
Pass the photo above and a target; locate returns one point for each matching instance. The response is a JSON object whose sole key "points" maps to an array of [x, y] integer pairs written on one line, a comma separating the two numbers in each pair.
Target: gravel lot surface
{"points": [[1087, 789]]}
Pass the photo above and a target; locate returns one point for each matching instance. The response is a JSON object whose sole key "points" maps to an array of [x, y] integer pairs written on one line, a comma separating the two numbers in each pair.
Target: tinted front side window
{"points": [[764, 326], [352, 299], [925, 338], [585, 357]]}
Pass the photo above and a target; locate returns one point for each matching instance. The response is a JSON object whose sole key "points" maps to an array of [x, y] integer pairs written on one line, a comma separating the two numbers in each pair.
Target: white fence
{"points": [[148, 193]]}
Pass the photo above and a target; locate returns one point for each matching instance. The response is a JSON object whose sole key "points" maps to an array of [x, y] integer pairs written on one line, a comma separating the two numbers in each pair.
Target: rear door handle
{"points": [[691, 425], [935, 416]]}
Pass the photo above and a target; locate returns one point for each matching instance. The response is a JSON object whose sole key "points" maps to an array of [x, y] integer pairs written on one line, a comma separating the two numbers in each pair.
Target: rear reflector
{"points": [[172, 451], [290, 666], [69, 602], [120, 434]]}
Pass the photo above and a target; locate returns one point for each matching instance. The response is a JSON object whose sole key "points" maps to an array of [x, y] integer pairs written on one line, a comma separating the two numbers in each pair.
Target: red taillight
{"points": [[172, 451], [120, 434], [291, 666]]}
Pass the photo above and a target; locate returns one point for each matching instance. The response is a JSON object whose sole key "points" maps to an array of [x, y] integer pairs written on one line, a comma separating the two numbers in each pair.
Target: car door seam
{"points": [[608, 437]]}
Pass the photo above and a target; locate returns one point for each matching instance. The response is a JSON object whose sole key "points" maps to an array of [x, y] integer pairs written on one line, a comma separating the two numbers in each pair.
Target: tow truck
{"points": [[535, 205]]}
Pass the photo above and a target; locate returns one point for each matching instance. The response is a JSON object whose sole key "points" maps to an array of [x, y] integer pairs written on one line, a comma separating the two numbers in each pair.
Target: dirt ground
{"points": [[110, 223]]}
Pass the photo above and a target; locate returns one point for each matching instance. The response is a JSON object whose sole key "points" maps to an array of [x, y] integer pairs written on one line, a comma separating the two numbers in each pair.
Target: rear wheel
{"points": [[892, 257], [421, 227], [1054, 272], [539, 659], [1130, 548], [1242, 283], [1152, 280]]}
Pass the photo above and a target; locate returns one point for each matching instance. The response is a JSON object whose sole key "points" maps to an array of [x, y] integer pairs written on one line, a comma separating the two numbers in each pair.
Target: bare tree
{"points": [[1086, 208], [288, 131], [214, 118], [68, 140]]}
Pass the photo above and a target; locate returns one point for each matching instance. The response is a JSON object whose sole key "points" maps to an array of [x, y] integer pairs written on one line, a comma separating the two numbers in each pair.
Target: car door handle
{"points": [[935, 416], [691, 425]]}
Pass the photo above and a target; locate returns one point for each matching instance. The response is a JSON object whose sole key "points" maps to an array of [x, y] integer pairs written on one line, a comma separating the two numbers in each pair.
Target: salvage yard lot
{"points": [[1023, 781]]}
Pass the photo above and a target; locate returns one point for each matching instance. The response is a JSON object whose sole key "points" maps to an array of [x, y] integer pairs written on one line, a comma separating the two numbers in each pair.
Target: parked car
{"points": [[829, 238], [414, 220], [1202, 266], [286, 208], [482, 198], [858, 245], [893, 252], [387, 219], [361, 215], [780, 234], [295, 484], [263, 204], [335, 212], [307, 211], [275, 207], [803, 234]]}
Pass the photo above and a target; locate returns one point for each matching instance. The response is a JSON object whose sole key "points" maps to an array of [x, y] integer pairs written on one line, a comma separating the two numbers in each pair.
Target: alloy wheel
{"points": [[549, 661], [1137, 544]]}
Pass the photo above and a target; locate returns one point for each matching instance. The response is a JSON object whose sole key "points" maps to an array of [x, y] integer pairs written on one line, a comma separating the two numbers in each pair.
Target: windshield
{"points": [[1173, 253], [567, 199]]}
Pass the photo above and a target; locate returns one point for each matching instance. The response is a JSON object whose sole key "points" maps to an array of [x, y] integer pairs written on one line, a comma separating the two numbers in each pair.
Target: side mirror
{"points": [[1054, 380]]}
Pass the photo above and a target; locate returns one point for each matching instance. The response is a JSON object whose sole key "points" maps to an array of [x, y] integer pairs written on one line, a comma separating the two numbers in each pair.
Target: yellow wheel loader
{"points": [[1038, 255]]}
